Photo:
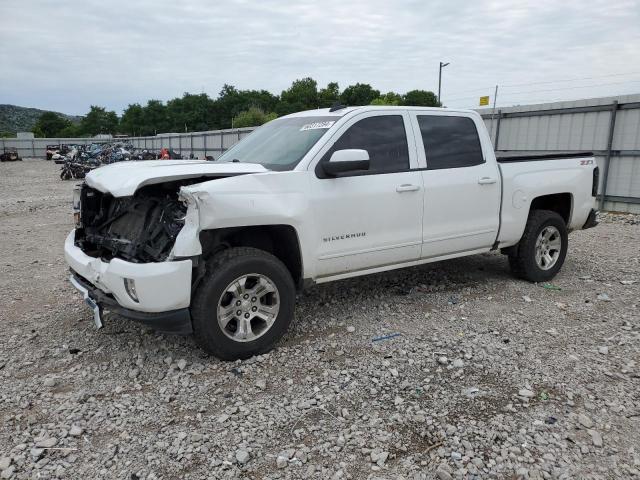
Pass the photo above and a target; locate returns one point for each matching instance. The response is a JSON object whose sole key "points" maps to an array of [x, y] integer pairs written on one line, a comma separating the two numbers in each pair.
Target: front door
{"points": [[374, 218]]}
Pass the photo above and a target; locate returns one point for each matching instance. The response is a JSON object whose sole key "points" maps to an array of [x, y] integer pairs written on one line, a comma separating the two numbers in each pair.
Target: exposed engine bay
{"points": [[141, 228]]}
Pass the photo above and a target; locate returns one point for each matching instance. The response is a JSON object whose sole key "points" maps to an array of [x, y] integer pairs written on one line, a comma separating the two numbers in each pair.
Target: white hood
{"points": [[122, 179]]}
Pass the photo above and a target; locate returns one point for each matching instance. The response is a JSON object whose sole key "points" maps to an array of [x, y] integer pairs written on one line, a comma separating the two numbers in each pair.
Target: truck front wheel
{"points": [[542, 249], [244, 305]]}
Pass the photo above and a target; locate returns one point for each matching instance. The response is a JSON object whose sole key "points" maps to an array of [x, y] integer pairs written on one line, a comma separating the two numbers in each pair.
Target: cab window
{"points": [[383, 136], [450, 142]]}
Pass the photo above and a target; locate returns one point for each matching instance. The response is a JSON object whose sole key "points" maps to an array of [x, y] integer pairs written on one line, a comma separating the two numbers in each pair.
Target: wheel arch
{"points": [[561, 203], [280, 240]]}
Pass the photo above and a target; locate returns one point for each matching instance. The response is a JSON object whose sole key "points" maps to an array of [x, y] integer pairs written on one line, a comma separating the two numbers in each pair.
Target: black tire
{"points": [[522, 256], [222, 270]]}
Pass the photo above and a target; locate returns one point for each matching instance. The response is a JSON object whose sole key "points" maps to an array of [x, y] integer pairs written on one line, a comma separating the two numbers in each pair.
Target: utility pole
{"points": [[495, 98], [442, 65]]}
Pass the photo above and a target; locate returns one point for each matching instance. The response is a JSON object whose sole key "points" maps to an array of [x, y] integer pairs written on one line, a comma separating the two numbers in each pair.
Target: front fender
{"points": [[187, 242]]}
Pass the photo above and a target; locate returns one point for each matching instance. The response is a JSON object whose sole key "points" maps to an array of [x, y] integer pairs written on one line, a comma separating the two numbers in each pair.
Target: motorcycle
{"points": [[72, 169]]}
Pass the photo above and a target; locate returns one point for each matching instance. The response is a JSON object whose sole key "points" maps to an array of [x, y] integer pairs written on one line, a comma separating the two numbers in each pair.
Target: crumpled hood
{"points": [[122, 179]]}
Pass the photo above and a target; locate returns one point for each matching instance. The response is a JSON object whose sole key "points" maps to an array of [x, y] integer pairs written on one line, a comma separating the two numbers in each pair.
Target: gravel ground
{"points": [[486, 376]]}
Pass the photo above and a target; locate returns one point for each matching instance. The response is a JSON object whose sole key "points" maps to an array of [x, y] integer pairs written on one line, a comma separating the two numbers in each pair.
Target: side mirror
{"points": [[347, 160]]}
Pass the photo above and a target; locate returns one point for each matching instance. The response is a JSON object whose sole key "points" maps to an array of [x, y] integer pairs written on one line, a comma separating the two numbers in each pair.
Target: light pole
{"points": [[442, 65]]}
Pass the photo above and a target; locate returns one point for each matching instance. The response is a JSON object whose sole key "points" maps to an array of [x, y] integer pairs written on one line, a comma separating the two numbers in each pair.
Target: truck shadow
{"points": [[447, 275]]}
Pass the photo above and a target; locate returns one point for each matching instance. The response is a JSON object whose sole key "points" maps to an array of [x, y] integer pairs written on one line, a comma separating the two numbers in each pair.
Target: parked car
{"points": [[219, 249], [10, 155], [52, 150]]}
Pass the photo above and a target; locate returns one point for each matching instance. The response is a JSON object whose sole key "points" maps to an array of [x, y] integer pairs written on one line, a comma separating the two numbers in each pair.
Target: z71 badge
{"points": [[586, 162]]}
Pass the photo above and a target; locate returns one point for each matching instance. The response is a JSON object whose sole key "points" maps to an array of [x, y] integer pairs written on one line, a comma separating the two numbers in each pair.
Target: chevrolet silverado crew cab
{"points": [[219, 249]]}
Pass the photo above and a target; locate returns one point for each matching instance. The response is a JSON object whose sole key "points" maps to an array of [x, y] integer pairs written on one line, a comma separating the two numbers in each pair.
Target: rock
{"points": [[261, 384], [242, 456], [443, 360], [36, 452], [585, 421], [471, 392], [182, 364], [382, 458], [596, 438], [604, 350], [443, 474], [75, 431], [456, 456], [525, 393], [458, 363], [282, 462], [47, 442], [527, 298], [393, 372], [351, 329], [5, 462], [7, 472], [604, 297], [50, 382]]}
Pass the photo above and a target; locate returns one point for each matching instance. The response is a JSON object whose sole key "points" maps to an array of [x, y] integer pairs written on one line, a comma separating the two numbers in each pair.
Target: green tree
{"points": [[301, 95], [232, 101], [420, 98], [99, 120], [329, 95], [70, 131], [132, 121], [389, 98], [252, 118], [154, 118], [359, 94], [50, 124], [189, 113]]}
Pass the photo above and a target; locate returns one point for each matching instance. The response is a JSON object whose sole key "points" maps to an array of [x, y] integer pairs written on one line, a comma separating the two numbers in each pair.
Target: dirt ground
{"points": [[486, 376]]}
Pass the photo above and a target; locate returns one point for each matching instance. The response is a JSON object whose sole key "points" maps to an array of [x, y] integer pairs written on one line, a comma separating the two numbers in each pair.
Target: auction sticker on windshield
{"points": [[316, 125]]}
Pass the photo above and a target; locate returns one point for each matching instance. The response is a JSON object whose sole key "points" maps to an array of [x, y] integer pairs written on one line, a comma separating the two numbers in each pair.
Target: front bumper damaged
{"points": [[162, 289]]}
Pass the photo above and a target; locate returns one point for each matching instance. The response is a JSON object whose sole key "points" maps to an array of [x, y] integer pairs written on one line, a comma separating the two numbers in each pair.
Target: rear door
{"points": [[374, 218], [462, 189]]}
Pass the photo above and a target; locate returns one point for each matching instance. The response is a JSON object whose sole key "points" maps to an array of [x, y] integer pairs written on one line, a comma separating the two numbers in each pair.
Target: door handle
{"points": [[407, 187], [486, 180]]}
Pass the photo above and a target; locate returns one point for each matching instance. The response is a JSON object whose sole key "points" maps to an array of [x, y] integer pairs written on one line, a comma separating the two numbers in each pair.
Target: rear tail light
{"points": [[596, 178]]}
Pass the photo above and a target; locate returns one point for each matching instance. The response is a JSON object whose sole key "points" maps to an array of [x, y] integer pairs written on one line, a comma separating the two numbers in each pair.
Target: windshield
{"points": [[280, 144]]}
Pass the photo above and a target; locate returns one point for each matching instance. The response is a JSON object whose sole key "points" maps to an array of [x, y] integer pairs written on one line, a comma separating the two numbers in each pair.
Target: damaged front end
{"points": [[141, 228]]}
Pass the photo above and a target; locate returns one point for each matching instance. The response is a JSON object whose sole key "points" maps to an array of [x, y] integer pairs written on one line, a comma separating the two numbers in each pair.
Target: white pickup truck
{"points": [[219, 249]]}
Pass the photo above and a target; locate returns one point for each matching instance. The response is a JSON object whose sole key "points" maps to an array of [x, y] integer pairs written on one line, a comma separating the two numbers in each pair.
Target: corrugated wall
{"points": [[610, 127]]}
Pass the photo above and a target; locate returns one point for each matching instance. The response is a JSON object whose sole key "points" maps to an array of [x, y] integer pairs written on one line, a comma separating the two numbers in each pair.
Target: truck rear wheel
{"points": [[244, 305], [539, 255]]}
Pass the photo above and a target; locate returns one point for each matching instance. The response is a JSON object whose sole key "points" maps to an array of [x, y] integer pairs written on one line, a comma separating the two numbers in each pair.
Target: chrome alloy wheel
{"points": [[248, 307], [548, 247]]}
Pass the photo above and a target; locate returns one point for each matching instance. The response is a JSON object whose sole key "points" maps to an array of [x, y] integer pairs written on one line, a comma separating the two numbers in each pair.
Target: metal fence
{"points": [[610, 127], [201, 144]]}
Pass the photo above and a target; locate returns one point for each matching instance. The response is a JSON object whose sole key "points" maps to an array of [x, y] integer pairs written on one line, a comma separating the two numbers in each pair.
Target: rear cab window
{"points": [[450, 141]]}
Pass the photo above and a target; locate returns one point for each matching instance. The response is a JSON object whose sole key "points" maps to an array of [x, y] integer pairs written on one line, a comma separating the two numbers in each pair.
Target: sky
{"points": [[67, 55]]}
